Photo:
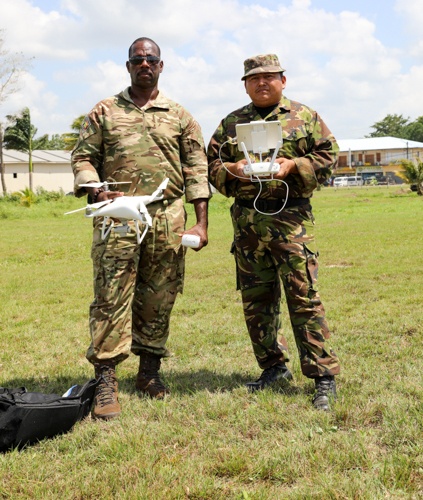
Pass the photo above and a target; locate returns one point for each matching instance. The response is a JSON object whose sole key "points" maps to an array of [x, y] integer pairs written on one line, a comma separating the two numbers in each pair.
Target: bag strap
{"points": [[18, 390]]}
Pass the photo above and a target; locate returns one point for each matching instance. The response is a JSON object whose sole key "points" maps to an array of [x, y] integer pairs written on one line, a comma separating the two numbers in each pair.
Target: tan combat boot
{"points": [[106, 403], [148, 379]]}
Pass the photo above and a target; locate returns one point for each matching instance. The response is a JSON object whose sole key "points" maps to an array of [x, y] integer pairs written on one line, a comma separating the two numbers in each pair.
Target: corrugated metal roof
{"points": [[38, 156], [377, 143]]}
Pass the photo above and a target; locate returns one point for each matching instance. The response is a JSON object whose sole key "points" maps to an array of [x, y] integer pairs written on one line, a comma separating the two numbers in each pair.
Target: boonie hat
{"points": [[266, 63]]}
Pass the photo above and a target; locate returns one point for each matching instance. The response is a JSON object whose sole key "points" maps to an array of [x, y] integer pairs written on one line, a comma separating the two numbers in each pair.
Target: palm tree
{"points": [[71, 137], [20, 135], [413, 174]]}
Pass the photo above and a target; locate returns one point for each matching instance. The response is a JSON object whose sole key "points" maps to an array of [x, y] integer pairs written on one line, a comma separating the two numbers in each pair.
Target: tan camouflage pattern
{"points": [[272, 251], [267, 63], [135, 288], [121, 142]]}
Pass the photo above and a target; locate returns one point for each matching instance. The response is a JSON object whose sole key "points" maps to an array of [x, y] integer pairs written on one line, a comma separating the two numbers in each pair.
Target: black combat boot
{"points": [[269, 376], [325, 392], [106, 403], [148, 378]]}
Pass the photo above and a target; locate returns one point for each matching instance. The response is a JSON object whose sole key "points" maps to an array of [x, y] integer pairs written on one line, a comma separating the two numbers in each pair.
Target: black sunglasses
{"points": [[151, 60]]}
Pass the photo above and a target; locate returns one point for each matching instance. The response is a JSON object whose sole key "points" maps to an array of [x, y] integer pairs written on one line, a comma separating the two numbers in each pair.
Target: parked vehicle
{"points": [[352, 180], [371, 181]]}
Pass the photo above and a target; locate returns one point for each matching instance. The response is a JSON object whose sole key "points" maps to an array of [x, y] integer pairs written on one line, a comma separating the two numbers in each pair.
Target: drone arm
{"points": [[145, 214], [105, 229]]}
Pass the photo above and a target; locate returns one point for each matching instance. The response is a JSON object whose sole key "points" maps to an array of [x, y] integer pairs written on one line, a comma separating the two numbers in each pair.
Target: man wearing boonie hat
{"points": [[274, 245]]}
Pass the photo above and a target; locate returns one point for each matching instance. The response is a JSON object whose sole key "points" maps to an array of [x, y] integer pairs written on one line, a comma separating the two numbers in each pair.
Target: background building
{"points": [[51, 170], [377, 157]]}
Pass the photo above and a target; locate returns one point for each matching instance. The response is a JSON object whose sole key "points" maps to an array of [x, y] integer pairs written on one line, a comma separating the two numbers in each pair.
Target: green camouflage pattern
{"points": [[121, 142], [266, 63], [306, 140], [270, 250], [135, 288]]}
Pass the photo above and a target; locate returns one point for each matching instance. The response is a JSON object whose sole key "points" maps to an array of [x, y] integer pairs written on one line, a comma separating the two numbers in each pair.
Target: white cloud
{"points": [[412, 12], [335, 63]]}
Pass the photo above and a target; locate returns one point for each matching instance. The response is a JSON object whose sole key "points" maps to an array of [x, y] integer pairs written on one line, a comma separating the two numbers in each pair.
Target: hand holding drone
{"points": [[123, 208]]}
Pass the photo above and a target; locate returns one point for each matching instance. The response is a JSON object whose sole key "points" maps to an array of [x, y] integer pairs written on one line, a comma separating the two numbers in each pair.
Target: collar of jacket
{"points": [[161, 101], [284, 104]]}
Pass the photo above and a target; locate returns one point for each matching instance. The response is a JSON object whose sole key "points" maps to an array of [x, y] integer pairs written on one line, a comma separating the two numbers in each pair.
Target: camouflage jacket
{"points": [[306, 140], [121, 142]]}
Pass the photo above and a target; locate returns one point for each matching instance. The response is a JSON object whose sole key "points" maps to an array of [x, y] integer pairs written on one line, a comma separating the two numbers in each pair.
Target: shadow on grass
{"points": [[191, 382], [45, 385], [180, 383]]}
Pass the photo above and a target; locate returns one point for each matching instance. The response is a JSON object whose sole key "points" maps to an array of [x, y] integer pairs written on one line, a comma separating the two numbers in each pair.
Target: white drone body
{"points": [[123, 208]]}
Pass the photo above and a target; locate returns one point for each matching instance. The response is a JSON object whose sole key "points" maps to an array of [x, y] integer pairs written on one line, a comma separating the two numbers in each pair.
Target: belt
{"points": [[271, 205]]}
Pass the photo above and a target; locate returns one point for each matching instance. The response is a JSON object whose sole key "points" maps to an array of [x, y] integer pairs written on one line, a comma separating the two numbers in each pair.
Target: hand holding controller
{"points": [[191, 240]]}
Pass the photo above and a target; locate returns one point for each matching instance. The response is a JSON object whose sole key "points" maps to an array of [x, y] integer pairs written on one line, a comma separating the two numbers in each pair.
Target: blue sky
{"points": [[354, 62]]}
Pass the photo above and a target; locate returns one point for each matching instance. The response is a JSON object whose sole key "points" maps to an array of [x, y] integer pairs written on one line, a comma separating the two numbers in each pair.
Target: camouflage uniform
{"points": [[271, 250], [135, 286]]}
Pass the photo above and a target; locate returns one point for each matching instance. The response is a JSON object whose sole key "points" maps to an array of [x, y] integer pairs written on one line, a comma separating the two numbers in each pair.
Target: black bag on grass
{"points": [[28, 417]]}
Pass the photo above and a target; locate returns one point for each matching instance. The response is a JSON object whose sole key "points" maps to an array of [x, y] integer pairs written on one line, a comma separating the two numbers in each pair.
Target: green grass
{"points": [[211, 439]]}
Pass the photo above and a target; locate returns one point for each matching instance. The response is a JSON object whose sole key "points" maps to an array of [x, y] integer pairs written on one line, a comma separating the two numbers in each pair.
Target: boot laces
{"points": [[324, 387], [106, 392]]}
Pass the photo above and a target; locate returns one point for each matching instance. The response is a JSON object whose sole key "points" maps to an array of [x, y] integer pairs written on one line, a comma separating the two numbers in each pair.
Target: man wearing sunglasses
{"points": [[274, 246], [140, 137]]}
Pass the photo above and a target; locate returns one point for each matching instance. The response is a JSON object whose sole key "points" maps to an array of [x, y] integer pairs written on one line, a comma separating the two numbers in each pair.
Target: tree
{"points": [[71, 137], [56, 142], [11, 68], [414, 130], [21, 136], [413, 174], [398, 126], [390, 126]]}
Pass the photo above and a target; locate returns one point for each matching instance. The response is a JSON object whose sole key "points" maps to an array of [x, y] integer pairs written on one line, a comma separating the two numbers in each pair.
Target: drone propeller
{"points": [[94, 205], [104, 184]]}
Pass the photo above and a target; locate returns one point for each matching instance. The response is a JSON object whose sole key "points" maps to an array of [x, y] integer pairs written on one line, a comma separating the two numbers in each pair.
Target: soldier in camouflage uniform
{"points": [[141, 137], [274, 247]]}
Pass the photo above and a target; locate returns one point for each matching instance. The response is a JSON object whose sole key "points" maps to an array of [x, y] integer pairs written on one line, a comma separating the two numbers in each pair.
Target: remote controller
{"points": [[190, 240], [261, 169]]}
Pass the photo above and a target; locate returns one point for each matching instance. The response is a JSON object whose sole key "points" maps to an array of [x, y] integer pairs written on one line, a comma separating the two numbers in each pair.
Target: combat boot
{"points": [[148, 378], [269, 376], [325, 392], [106, 403]]}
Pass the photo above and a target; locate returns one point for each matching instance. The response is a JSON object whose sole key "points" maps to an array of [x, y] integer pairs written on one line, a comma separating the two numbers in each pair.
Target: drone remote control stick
{"points": [[262, 168]]}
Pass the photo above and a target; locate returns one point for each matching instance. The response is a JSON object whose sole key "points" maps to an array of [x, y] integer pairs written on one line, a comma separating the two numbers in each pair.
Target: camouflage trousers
{"points": [[135, 286], [272, 251]]}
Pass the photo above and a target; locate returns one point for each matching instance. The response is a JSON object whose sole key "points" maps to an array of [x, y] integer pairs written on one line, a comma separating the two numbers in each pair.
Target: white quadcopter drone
{"points": [[123, 208]]}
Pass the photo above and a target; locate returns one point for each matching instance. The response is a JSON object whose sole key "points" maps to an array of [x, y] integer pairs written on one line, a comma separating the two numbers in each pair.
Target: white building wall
{"points": [[51, 171], [49, 177], [53, 177]]}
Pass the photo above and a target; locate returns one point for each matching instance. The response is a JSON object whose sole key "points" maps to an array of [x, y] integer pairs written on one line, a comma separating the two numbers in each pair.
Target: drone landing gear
{"points": [[123, 229]]}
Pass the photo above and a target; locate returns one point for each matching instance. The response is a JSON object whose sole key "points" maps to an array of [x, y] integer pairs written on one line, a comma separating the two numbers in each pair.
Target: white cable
{"points": [[284, 203], [259, 180], [223, 163]]}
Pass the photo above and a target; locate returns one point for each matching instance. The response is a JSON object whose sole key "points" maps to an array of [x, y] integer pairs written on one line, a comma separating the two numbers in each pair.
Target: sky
{"points": [[354, 62]]}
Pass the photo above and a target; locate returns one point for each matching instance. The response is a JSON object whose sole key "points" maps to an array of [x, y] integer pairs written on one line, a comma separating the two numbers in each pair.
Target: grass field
{"points": [[211, 439]]}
